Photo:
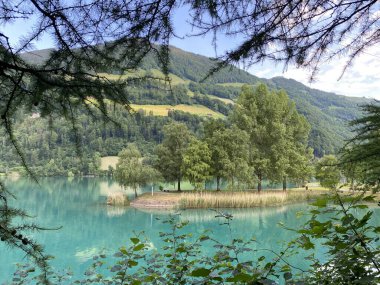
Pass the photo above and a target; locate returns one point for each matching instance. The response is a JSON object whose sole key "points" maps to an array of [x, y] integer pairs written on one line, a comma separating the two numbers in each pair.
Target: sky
{"points": [[362, 79]]}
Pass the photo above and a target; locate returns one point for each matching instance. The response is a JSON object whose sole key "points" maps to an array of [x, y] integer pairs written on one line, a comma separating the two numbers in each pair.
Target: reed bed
{"points": [[244, 199]]}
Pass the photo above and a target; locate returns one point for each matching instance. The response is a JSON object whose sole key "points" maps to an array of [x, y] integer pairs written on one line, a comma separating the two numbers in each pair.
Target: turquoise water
{"points": [[89, 226]]}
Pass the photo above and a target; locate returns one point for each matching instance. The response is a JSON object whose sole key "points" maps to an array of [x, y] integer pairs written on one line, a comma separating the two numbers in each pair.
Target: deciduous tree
{"points": [[291, 158], [229, 154], [170, 153], [277, 133], [131, 171], [327, 172], [196, 163]]}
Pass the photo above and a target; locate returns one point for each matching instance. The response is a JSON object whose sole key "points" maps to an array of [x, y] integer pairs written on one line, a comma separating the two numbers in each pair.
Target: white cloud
{"points": [[362, 79]]}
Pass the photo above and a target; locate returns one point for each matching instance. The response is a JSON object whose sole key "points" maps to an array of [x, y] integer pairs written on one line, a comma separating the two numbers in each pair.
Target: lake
{"points": [[89, 226]]}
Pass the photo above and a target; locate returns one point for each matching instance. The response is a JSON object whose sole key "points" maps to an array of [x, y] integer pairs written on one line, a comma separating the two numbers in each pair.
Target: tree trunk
{"points": [[135, 188], [284, 184], [179, 184], [217, 183], [259, 187]]}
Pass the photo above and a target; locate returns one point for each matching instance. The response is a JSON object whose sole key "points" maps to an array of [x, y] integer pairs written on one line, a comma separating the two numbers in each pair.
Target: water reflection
{"points": [[86, 254], [115, 211]]}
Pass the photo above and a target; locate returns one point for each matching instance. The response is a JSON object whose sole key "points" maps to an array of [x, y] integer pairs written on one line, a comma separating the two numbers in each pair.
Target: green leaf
{"points": [[180, 249], [360, 206], [347, 219], [369, 198], [123, 250], [285, 268], [200, 272], [132, 263], [306, 243], [240, 277], [135, 240], [204, 237], [340, 229], [138, 247]]}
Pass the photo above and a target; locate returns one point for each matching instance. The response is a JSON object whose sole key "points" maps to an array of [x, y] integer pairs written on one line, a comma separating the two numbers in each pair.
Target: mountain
{"points": [[328, 113]]}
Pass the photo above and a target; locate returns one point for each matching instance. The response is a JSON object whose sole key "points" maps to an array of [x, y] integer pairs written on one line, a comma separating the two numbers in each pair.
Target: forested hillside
{"points": [[50, 148]]}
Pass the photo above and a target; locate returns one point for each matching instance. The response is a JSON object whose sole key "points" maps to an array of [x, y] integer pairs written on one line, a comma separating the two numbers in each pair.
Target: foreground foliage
{"points": [[15, 235], [361, 156], [349, 239]]}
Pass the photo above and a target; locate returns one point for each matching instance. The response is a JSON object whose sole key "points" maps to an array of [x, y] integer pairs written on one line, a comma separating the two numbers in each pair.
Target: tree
{"points": [[300, 167], [196, 163], [229, 153], [130, 170], [170, 153], [327, 172], [297, 32], [277, 133], [291, 156], [360, 158], [85, 47]]}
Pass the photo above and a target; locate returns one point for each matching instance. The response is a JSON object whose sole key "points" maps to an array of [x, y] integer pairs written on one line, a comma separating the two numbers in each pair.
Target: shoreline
{"points": [[160, 200]]}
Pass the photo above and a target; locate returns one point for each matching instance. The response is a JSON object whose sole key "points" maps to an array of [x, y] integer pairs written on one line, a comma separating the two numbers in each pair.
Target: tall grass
{"points": [[243, 199]]}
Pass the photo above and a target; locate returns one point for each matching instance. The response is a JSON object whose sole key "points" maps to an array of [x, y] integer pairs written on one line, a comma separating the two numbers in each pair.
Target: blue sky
{"points": [[360, 80]]}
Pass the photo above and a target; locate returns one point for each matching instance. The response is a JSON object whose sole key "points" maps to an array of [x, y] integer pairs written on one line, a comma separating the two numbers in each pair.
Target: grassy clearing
{"points": [[162, 110], [174, 79], [244, 199], [108, 161], [224, 100], [137, 73]]}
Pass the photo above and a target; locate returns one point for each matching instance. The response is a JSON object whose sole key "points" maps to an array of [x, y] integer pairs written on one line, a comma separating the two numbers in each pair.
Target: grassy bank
{"points": [[222, 199], [162, 110], [244, 199]]}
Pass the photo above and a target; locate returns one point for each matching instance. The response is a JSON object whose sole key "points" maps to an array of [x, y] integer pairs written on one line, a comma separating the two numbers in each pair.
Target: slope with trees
{"points": [[328, 113]]}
